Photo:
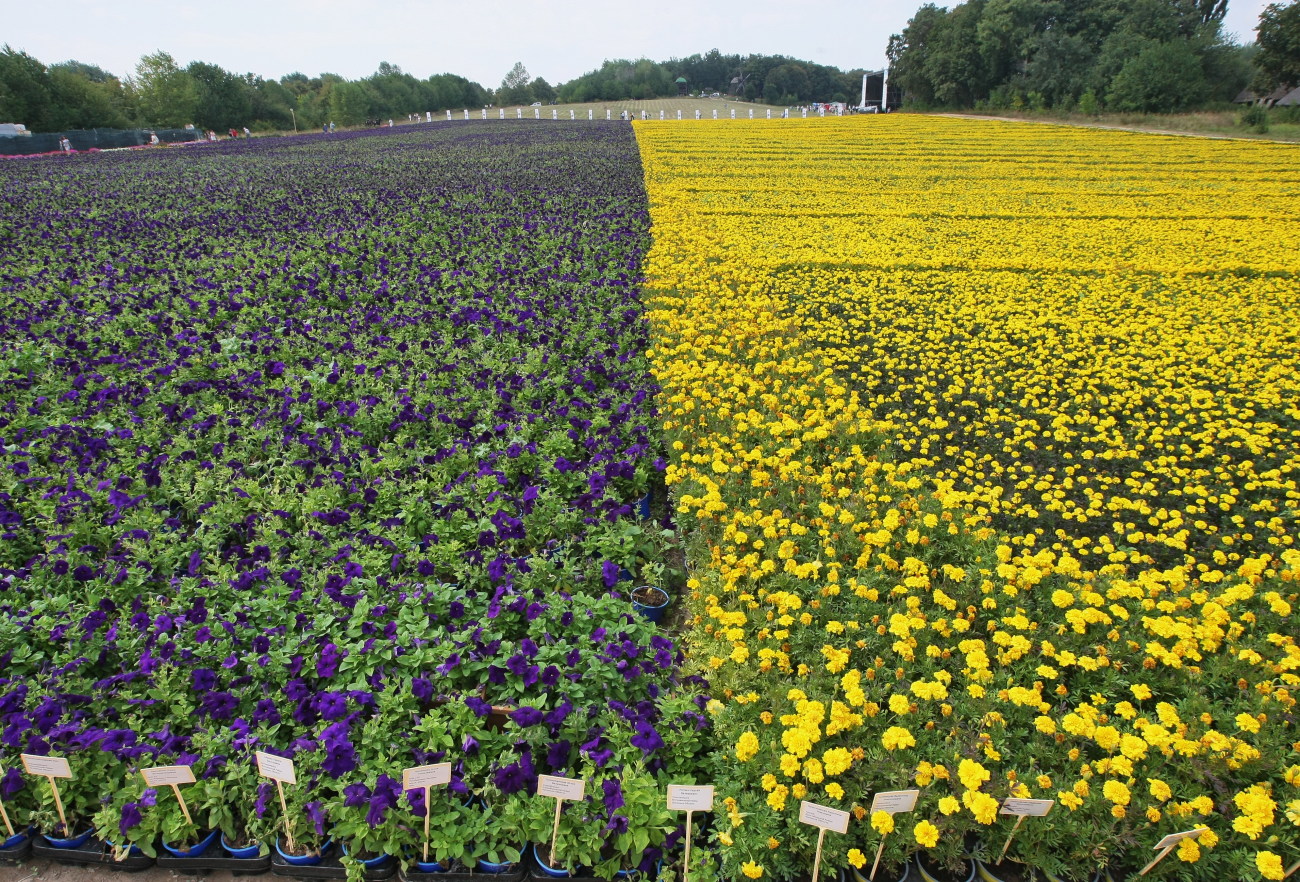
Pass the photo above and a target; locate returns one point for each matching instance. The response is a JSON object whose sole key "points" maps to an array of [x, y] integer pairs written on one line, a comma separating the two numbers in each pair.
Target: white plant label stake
{"points": [[173, 777], [561, 789], [426, 778], [1023, 808], [1167, 845], [50, 767], [823, 818], [689, 799], [891, 802], [281, 771], [4, 816]]}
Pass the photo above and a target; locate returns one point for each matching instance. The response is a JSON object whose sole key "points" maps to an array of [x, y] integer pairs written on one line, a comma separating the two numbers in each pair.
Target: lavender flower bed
{"points": [[324, 446]]}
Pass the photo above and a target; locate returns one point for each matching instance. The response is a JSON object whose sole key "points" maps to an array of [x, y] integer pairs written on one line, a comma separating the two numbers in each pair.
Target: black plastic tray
{"points": [[515, 875], [219, 861], [91, 853], [329, 868], [16, 854]]}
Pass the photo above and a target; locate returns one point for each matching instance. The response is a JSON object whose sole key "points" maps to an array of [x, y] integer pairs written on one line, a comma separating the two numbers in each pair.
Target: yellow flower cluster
{"points": [[992, 434]]}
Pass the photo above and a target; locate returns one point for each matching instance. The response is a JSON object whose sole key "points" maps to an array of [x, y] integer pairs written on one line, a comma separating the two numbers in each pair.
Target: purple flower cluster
{"points": [[287, 427]]}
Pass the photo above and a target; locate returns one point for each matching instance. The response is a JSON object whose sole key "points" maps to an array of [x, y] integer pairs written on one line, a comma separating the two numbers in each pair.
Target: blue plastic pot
{"points": [[430, 867], [643, 507], [72, 842], [196, 849], [653, 612], [304, 860], [245, 851], [376, 861], [553, 872], [16, 840], [490, 867]]}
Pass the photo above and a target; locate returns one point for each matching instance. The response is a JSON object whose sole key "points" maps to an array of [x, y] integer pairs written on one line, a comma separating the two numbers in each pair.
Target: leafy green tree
{"points": [[1163, 77], [85, 97], [1278, 60], [787, 84], [348, 104], [167, 94], [542, 91], [25, 90], [514, 87], [224, 99]]}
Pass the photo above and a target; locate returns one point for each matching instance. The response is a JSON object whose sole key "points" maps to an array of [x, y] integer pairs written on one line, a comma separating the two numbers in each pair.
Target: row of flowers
{"points": [[860, 412], [327, 449]]}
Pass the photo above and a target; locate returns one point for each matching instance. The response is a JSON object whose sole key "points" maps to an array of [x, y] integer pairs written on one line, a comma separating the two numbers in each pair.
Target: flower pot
{"points": [[243, 851], [905, 874], [650, 602], [643, 507], [969, 873], [490, 867], [197, 848], [377, 861], [75, 841], [303, 860], [16, 841], [554, 872], [429, 867]]}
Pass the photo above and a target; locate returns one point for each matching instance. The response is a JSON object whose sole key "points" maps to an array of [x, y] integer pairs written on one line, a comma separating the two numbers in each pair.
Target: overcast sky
{"points": [[479, 39]]}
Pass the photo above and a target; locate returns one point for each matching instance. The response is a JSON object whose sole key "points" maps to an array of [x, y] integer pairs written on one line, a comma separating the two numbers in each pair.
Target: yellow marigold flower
{"points": [[773, 843], [1153, 815], [899, 704], [746, 747], [857, 858], [981, 805], [1159, 789], [1046, 725], [752, 870], [1269, 865], [834, 790], [1069, 799], [971, 774], [949, 805], [1189, 851], [799, 791], [1118, 811], [1140, 691], [812, 770], [789, 765], [837, 760], [883, 822], [1247, 723], [926, 834], [1116, 792], [896, 737]]}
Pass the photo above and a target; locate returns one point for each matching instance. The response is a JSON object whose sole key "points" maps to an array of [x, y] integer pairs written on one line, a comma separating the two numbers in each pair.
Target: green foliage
{"points": [[1046, 53], [1278, 61], [1163, 77], [1255, 118], [168, 96]]}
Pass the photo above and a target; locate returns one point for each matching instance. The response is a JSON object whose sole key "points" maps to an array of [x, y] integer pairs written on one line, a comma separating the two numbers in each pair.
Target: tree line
{"points": [[162, 94], [1087, 55]]}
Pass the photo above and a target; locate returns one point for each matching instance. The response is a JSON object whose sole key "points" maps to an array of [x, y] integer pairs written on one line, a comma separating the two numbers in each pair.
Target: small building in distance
{"points": [[1284, 96], [683, 87]]}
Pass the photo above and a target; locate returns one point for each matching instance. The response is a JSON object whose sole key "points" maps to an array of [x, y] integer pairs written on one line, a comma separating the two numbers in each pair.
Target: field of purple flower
{"points": [[324, 446]]}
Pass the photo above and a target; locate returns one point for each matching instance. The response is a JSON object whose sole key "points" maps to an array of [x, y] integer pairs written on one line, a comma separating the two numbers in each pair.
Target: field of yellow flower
{"points": [[990, 435]]}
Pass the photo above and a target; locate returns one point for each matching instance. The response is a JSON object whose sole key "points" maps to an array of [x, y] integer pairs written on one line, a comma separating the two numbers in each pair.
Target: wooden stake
{"points": [[686, 861], [879, 852], [284, 809], [58, 804], [184, 808], [428, 810], [1294, 867], [1019, 820], [1158, 858], [817, 861], [555, 834], [9, 828]]}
